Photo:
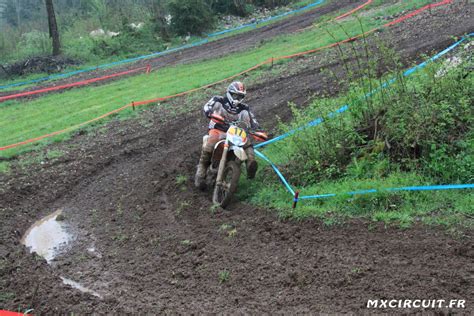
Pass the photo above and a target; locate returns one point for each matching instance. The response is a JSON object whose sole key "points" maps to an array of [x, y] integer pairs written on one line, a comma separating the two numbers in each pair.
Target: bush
{"points": [[128, 43], [271, 3], [421, 124], [8, 42], [244, 7], [236, 7], [34, 43], [191, 17]]}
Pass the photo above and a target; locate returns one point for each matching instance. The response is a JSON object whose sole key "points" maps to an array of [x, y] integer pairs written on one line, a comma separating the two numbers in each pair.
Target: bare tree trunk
{"points": [[18, 9], [53, 28]]}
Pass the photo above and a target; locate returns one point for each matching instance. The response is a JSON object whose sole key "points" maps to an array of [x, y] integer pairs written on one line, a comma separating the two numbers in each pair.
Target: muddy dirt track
{"points": [[159, 247]]}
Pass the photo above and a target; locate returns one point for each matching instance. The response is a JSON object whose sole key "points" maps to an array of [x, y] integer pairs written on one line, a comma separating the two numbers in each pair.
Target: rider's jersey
{"points": [[221, 106]]}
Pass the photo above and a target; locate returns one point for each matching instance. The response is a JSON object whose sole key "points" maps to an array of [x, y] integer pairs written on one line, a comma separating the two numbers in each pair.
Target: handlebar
{"points": [[221, 120], [257, 135]]}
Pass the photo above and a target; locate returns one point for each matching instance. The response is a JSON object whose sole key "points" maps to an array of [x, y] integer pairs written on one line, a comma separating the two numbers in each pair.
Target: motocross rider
{"points": [[231, 108]]}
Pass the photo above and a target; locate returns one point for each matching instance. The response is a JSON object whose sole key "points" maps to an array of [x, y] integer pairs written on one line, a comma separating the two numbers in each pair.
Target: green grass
{"points": [[54, 154], [22, 120], [4, 167], [404, 209], [224, 276], [181, 180]]}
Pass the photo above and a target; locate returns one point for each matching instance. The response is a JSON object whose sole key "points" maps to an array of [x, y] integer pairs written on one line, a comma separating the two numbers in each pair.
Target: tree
{"points": [[235, 7], [191, 17], [159, 18], [53, 27]]}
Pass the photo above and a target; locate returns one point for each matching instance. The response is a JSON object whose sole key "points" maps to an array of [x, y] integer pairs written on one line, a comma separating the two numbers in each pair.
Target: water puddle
{"points": [[79, 287], [46, 237]]}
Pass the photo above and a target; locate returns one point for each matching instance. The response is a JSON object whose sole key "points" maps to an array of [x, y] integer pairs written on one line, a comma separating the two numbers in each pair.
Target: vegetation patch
{"points": [[4, 166], [417, 131]]}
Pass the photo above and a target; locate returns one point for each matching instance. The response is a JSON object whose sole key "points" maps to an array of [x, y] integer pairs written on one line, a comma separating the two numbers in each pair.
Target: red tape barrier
{"points": [[268, 61], [71, 85], [8, 313]]}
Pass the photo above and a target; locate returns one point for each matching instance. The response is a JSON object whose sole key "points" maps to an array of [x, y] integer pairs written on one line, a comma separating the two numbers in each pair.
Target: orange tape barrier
{"points": [[353, 10], [268, 61], [340, 17], [71, 85]]}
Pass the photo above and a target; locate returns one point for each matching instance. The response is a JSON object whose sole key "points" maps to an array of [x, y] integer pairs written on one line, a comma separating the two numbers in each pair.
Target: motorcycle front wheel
{"points": [[223, 193]]}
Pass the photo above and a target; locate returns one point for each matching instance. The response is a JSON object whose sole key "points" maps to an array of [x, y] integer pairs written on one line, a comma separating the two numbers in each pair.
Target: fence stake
{"points": [[133, 105], [295, 200], [148, 68]]}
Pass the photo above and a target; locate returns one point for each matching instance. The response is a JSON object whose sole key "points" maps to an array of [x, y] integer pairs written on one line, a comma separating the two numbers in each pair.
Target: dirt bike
{"points": [[224, 172]]}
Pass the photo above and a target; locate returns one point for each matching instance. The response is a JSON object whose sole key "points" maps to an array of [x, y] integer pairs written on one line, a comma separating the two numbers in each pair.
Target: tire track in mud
{"points": [[120, 189]]}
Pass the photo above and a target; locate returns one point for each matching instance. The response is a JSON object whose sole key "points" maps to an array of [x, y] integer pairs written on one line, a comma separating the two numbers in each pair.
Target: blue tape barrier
{"points": [[344, 109], [112, 64], [287, 185], [411, 188], [361, 192]]}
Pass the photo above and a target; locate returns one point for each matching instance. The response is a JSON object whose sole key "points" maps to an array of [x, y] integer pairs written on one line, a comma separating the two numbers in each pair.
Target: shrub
{"points": [[191, 17], [34, 43], [129, 42], [270, 3], [236, 7], [421, 124]]}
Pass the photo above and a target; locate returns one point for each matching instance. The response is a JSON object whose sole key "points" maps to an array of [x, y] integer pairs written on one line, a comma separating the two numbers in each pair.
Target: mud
{"points": [[159, 247]]}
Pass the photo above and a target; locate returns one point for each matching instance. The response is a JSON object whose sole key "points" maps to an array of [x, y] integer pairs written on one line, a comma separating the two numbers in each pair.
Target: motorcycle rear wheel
{"points": [[223, 193]]}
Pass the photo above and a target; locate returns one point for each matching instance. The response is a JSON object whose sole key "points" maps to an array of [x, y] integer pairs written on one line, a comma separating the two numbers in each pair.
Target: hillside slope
{"points": [[162, 246], [217, 48]]}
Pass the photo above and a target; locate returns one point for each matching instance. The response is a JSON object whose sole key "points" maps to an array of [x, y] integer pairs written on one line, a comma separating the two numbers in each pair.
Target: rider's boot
{"points": [[252, 165], [204, 162]]}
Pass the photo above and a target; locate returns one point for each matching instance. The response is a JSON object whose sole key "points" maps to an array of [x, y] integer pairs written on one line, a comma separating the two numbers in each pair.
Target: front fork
{"points": [[220, 171]]}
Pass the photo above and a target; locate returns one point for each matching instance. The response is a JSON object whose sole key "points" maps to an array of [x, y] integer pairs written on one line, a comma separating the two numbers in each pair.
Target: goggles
{"points": [[238, 97]]}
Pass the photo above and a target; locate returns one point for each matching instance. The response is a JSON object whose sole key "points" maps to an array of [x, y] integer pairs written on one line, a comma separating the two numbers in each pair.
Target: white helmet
{"points": [[236, 92]]}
